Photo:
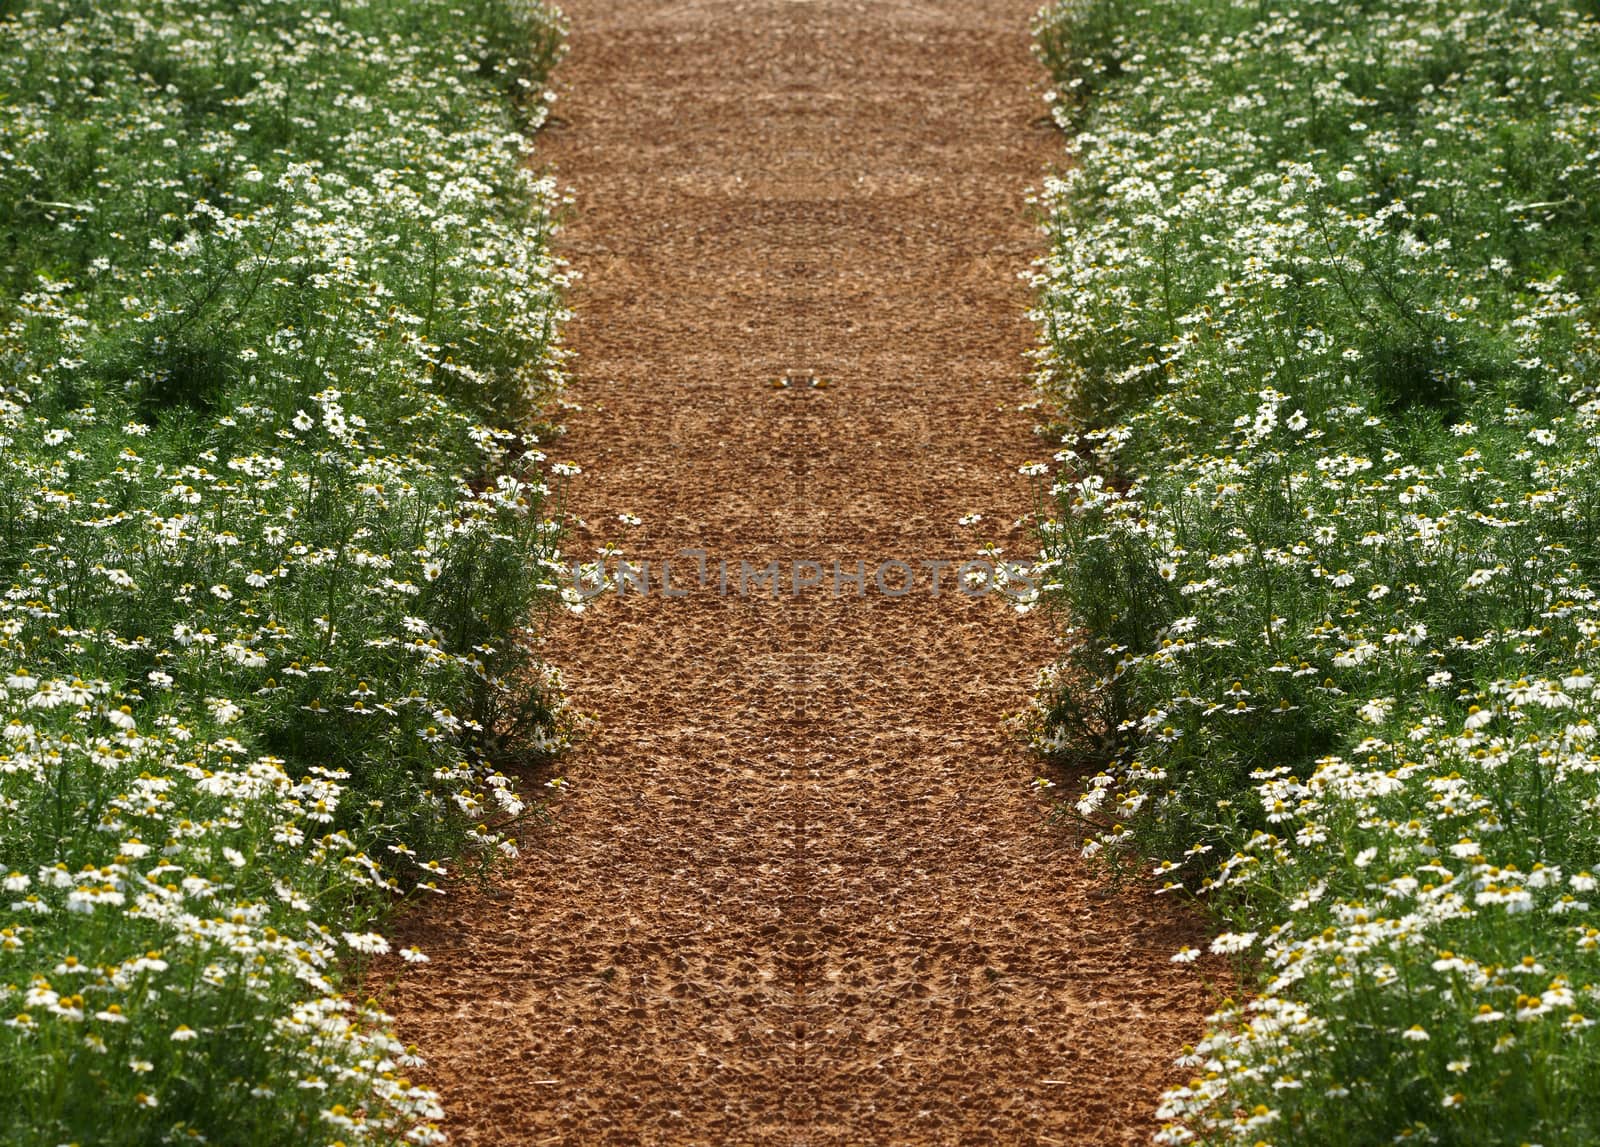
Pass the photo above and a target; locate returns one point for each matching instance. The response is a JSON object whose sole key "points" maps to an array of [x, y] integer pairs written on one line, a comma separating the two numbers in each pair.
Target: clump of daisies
{"points": [[1319, 320], [278, 318]]}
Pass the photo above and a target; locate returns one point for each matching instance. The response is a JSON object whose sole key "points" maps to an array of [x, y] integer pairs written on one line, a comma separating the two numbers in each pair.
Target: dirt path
{"points": [[801, 894]]}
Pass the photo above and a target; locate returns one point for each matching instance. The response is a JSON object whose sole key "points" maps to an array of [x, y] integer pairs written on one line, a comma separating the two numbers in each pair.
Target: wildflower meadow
{"points": [[1319, 317], [279, 323]]}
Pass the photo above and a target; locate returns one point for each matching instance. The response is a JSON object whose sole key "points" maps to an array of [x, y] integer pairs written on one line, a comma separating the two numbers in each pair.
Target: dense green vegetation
{"points": [[1320, 318], [276, 312]]}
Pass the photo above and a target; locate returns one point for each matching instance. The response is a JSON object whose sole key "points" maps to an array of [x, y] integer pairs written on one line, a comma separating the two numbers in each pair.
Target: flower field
{"points": [[1320, 318], [278, 318]]}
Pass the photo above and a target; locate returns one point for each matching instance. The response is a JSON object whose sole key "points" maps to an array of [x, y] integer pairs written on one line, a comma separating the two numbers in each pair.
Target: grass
{"points": [[1319, 317], [276, 316]]}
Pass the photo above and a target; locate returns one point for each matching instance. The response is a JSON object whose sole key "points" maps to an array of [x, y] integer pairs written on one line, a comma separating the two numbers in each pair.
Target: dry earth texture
{"points": [[800, 893]]}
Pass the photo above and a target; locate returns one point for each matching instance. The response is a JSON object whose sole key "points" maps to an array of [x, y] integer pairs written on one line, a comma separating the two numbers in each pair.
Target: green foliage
{"points": [[272, 281], [1319, 315]]}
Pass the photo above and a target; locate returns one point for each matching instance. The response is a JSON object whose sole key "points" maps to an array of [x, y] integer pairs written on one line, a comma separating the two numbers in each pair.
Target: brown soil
{"points": [[801, 892]]}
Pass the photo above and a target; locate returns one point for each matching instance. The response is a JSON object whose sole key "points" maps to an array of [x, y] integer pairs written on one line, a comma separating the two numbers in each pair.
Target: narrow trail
{"points": [[801, 893]]}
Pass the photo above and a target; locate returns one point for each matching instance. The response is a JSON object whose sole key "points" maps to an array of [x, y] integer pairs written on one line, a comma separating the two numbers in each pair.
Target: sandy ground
{"points": [[801, 893]]}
